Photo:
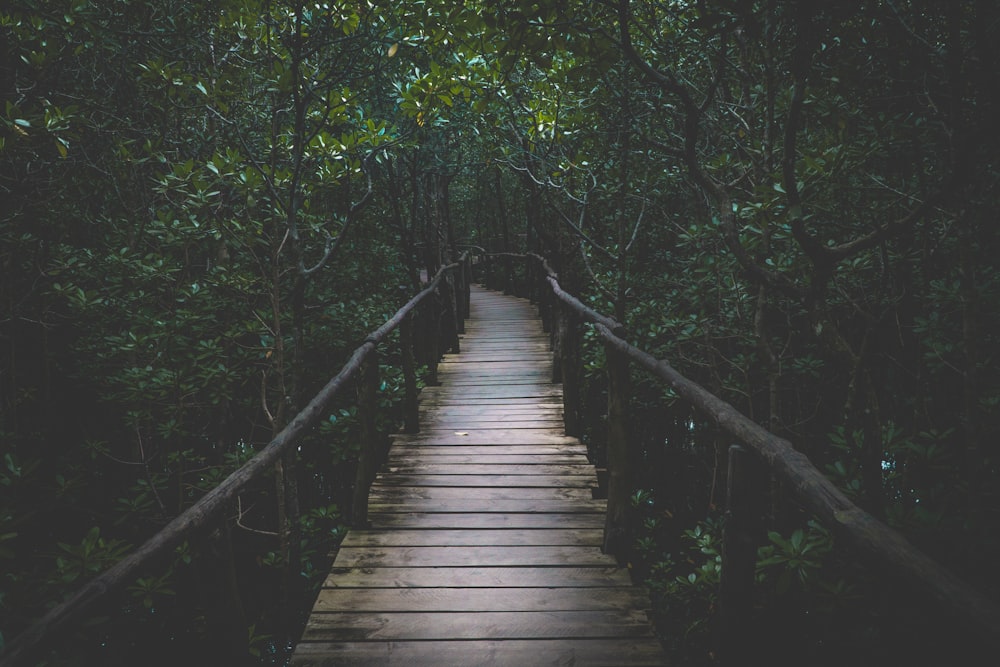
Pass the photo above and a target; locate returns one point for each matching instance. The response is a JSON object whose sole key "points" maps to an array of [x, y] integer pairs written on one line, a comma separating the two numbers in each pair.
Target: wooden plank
{"points": [[486, 436], [399, 494], [500, 556], [460, 422], [414, 461], [477, 577], [465, 469], [506, 361], [519, 391], [566, 480], [402, 450], [403, 494], [487, 505], [395, 626], [433, 411], [502, 356], [408, 519], [452, 537], [479, 599], [534, 343], [484, 382], [430, 401], [484, 653]]}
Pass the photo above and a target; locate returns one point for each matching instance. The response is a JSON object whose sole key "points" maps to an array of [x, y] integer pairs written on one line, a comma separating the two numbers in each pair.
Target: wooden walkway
{"points": [[484, 546]]}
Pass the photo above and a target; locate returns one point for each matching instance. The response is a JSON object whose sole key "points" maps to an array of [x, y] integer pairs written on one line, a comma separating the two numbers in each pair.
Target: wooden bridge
{"points": [[479, 542], [484, 544]]}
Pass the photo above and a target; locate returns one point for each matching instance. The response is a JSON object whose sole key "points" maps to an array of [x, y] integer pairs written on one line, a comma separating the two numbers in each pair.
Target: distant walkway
{"points": [[485, 541]]}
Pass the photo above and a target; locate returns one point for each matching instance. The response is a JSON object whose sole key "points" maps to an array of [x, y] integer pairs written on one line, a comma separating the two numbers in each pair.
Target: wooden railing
{"points": [[443, 306], [758, 454]]}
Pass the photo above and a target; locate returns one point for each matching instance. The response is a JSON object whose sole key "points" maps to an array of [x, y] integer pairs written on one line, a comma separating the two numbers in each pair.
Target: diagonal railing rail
{"points": [[450, 286], [809, 485]]}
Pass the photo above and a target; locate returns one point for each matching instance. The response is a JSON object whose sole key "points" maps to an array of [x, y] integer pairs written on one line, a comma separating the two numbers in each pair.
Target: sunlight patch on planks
{"points": [[484, 545]]}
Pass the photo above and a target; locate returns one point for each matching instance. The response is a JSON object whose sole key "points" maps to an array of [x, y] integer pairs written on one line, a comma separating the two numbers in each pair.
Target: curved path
{"points": [[484, 546]]}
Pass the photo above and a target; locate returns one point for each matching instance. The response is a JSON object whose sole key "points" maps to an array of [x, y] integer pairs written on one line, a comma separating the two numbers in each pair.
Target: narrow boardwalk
{"points": [[485, 541]]}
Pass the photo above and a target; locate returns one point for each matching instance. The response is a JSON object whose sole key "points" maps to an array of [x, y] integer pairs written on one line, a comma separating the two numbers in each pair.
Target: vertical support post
{"points": [[529, 283], [461, 287], [546, 306], [545, 298], [432, 337], [558, 339], [566, 367], [616, 527], [451, 304], [486, 271], [739, 559], [411, 410], [467, 288], [369, 455], [529, 280]]}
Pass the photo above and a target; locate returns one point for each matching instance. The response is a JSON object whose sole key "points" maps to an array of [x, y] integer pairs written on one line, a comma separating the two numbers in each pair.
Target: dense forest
{"points": [[205, 206]]}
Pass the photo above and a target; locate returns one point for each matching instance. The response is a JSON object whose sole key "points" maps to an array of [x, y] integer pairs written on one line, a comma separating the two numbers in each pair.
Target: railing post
{"points": [[529, 284], [620, 479], [411, 410], [739, 558], [369, 455], [530, 288], [566, 366], [432, 337], [466, 289], [461, 287], [508, 275], [545, 298], [451, 304], [543, 295]]}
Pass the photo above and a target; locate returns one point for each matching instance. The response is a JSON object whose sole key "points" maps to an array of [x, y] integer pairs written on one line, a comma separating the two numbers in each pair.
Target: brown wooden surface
{"points": [[484, 538], [600, 652]]}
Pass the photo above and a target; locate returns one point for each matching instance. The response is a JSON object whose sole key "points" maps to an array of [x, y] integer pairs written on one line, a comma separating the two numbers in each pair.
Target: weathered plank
{"points": [[534, 409], [563, 481], [479, 423], [424, 467], [429, 402], [493, 393], [423, 450], [458, 537], [386, 493], [477, 577], [487, 505], [481, 599], [394, 626], [406, 518], [412, 460], [600, 652], [487, 436]]}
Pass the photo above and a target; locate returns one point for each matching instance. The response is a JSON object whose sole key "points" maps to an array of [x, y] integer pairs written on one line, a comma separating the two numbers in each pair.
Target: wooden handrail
{"points": [[213, 503], [809, 484], [824, 499]]}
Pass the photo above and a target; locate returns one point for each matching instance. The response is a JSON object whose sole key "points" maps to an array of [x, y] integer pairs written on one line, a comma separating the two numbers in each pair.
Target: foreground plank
{"points": [[502, 556], [477, 577], [460, 537], [491, 653], [397, 626], [409, 519], [479, 599]]}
